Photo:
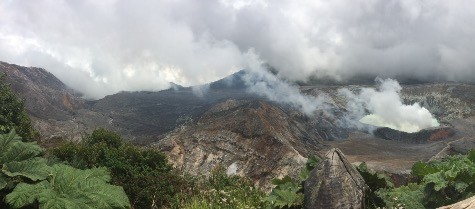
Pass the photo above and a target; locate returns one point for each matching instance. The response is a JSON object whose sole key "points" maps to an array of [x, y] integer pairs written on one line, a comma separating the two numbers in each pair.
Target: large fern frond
{"points": [[18, 151], [25, 194], [7, 139], [68, 187], [34, 169]]}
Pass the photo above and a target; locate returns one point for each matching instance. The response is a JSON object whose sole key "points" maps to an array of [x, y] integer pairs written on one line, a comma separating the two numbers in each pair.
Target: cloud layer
{"points": [[101, 47]]}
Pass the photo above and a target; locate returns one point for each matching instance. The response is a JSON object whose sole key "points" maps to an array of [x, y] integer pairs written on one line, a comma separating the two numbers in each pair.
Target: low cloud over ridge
{"points": [[101, 47]]}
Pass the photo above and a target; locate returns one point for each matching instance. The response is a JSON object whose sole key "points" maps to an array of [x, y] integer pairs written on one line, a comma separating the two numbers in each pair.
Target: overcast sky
{"points": [[100, 47]]}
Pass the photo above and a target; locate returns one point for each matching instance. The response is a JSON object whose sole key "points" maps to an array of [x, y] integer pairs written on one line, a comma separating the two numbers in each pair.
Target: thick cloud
{"points": [[101, 47]]}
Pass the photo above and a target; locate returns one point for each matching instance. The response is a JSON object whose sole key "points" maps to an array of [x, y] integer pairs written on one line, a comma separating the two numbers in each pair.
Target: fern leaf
{"points": [[100, 173], [57, 202], [25, 194], [72, 188], [19, 151], [34, 169], [7, 139]]}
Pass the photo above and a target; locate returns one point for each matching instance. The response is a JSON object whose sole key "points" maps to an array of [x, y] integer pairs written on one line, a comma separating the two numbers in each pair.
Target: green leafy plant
{"points": [[285, 194], [447, 181], [440, 183], [20, 162], [375, 181], [312, 161], [289, 193], [409, 196], [68, 187]]}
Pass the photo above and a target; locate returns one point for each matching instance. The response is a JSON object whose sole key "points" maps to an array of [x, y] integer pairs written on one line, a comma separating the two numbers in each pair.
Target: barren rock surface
{"points": [[249, 138]]}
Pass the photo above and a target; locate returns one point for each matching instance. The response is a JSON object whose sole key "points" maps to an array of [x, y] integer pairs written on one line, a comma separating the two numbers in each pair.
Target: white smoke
{"points": [[200, 90], [384, 107], [262, 82]]}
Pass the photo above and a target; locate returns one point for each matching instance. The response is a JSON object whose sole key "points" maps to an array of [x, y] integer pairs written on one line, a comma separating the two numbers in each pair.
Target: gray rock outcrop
{"points": [[334, 183]]}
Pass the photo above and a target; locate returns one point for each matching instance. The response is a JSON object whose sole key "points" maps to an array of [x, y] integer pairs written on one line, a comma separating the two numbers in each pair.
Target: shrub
{"points": [[144, 173]]}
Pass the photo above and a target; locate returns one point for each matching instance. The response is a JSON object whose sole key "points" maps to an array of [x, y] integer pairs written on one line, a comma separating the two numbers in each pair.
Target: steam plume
{"points": [[262, 82], [383, 107]]}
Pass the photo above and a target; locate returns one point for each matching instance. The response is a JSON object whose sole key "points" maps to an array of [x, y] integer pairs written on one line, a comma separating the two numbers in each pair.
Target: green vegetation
{"points": [[67, 187], [144, 173], [20, 163], [408, 196], [289, 193], [375, 182], [26, 179], [219, 191], [13, 114], [440, 183]]}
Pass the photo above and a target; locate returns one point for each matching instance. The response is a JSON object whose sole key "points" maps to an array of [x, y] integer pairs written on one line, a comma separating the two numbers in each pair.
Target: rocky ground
{"points": [[249, 138]]}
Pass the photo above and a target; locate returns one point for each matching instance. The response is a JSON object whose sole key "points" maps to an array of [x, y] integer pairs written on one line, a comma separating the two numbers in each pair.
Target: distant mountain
{"points": [[55, 109], [45, 95], [149, 116], [232, 82]]}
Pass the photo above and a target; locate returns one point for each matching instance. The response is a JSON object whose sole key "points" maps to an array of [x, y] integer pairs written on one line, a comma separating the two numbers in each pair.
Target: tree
{"points": [[13, 114]]}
